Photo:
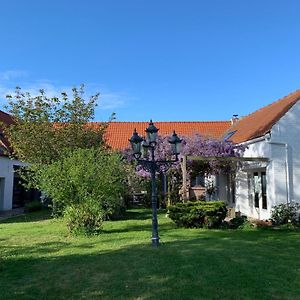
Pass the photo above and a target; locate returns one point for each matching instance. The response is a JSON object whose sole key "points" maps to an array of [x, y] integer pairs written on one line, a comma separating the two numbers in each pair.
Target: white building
{"points": [[12, 194], [272, 132], [9, 187]]}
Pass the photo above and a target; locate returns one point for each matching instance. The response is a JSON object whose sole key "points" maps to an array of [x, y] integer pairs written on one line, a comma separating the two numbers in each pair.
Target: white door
{"points": [[258, 194]]}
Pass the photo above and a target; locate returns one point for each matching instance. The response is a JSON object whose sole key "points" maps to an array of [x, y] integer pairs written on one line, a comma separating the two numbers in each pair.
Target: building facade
{"points": [[267, 176], [271, 133]]}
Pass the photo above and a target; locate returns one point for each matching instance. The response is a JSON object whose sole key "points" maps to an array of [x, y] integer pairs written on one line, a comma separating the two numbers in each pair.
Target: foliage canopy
{"points": [[85, 175], [44, 127]]}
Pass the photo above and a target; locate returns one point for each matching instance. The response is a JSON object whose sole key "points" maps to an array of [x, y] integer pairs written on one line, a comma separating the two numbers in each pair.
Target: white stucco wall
{"points": [[7, 181], [287, 130], [244, 197], [282, 147]]}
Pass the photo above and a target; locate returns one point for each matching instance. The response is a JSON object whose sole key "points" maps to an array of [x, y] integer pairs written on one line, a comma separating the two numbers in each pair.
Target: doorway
{"points": [[258, 192]]}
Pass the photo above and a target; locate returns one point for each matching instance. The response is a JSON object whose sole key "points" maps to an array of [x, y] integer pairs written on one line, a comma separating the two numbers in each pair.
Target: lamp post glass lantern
{"points": [[151, 133], [175, 142], [136, 142], [141, 148], [145, 149]]}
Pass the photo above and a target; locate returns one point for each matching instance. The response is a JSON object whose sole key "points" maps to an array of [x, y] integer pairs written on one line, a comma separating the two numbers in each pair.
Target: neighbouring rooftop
{"points": [[118, 133]]}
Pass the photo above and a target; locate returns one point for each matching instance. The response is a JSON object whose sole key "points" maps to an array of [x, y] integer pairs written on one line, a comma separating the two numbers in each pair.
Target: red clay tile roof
{"points": [[8, 120], [252, 126], [5, 118], [261, 121], [118, 133]]}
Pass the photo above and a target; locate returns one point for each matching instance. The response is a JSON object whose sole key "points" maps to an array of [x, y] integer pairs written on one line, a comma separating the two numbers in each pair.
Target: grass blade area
{"points": [[40, 260]]}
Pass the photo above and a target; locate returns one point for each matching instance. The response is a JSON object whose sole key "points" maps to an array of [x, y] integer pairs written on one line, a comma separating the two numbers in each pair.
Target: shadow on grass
{"points": [[222, 267], [139, 227], [138, 214], [37, 248], [44, 214], [135, 214]]}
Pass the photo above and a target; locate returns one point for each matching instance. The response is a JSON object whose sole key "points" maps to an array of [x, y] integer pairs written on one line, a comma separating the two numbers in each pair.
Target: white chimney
{"points": [[234, 119]]}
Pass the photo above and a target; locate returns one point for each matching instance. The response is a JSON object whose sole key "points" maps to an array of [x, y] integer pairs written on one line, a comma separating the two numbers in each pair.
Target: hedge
{"points": [[198, 214]]}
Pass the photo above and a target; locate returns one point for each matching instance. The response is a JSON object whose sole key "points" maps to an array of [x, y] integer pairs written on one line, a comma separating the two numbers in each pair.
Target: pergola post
{"points": [[185, 192]]}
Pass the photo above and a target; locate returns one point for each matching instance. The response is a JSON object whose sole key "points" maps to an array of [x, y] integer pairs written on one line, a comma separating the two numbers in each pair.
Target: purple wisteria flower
{"points": [[195, 145]]}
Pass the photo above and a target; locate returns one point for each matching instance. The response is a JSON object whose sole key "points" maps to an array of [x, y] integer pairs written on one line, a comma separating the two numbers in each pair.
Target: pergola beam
{"points": [[210, 158]]}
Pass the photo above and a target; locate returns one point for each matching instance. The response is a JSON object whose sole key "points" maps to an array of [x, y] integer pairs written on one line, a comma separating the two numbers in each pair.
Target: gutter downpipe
{"points": [[287, 169]]}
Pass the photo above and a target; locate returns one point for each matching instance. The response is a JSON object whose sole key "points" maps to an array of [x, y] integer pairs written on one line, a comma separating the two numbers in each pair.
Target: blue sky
{"points": [[166, 60]]}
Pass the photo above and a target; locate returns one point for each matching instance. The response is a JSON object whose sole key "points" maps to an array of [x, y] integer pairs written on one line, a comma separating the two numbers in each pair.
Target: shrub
{"points": [[33, 206], [237, 222], [198, 214], [84, 218], [286, 213], [288, 226], [118, 212], [85, 176]]}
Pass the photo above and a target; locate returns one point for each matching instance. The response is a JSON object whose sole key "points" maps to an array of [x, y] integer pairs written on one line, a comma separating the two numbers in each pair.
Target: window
{"points": [[260, 189], [233, 188], [198, 181], [264, 190], [256, 185], [229, 135]]}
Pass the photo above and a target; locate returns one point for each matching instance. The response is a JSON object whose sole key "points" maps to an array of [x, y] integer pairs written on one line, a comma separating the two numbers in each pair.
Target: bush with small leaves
{"points": [[198, 214], [85, 176], [237, 222], [84, 218], [286, 213]]}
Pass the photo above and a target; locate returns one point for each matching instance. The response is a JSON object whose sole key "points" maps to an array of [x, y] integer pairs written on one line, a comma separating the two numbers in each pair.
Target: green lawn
{"points": [[40, 260]]}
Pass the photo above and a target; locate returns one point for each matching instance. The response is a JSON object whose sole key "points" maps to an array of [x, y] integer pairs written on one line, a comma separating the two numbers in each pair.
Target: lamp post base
{"points": [[155, 241]]}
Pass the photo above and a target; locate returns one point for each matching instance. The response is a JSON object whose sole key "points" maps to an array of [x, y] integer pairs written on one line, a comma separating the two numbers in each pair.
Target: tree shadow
{"points": [[138, 214], [222, 267], [135, 214], [36, 248], [44, 214], [140, 227]]}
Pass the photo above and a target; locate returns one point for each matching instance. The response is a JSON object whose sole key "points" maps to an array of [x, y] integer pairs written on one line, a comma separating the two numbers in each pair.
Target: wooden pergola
{"points": [[212, 158]]}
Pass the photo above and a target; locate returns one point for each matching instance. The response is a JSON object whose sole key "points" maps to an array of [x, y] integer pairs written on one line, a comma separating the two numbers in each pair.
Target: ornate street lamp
{"points": [[141, 148]]}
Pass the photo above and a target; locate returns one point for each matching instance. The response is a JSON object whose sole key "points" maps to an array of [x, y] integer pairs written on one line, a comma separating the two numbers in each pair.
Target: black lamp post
{"points": [[141, 148]]}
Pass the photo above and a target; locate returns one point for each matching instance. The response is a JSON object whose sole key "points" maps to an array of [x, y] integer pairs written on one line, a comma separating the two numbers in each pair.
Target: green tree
{"points": [[44, 127], [67, 155]]}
